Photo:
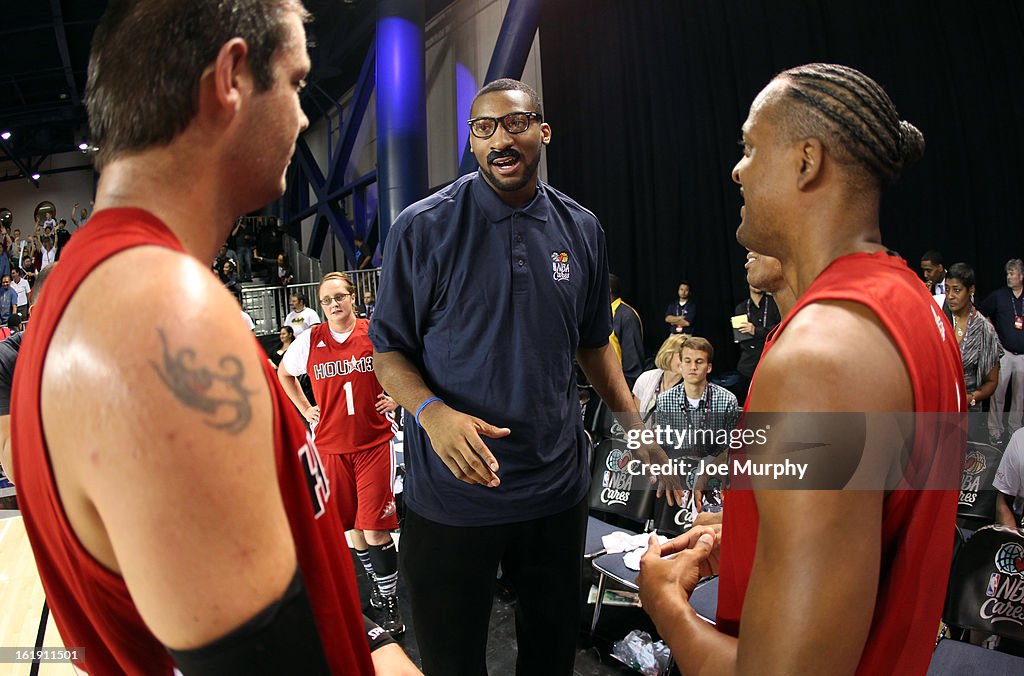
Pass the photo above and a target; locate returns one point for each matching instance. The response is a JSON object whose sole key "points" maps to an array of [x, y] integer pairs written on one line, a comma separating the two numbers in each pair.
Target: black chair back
{"points": [[614, 490], [599, 420], [986, 588], [977, 496]]}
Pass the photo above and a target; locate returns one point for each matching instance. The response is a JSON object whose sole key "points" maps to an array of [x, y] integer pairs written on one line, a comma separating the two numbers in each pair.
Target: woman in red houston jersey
{"points": [[354, 429]]}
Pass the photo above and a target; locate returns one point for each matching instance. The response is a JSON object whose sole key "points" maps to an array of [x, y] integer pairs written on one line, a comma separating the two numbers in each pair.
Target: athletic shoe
{"points": [[392, 617], [376, 598]]}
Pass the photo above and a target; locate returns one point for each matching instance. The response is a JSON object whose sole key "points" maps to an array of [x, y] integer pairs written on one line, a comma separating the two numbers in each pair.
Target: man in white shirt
{"points": [[22, 287], [301, 317], [1009, 482], [47, 252]]}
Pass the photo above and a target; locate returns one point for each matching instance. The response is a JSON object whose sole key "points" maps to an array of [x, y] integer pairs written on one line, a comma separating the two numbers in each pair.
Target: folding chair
{"points": [[614, 491], [977, 505], [985, 595]]}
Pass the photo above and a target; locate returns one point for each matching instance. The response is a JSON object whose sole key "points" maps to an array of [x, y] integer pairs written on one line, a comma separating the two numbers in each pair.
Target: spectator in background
{"points": [[79, 216], [29, 268], [284, 271], [8, 357], [762, 315], [22, 287], [225, 254], [287, 337], [668, 373], [49, 222], [1009, 481], [19, 246], [980, 350], [61, 236], [681, 315], [6, 248], [699, 410], [47, 252], [934, 272], [229, 278], [245, 244], [627, 338], [1005, 308], [8, 299], [301, 317], [16, 322], [366, 309]]}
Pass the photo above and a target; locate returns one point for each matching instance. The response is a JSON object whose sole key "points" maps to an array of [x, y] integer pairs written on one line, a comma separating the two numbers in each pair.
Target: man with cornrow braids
{"points": [[860, 571]]}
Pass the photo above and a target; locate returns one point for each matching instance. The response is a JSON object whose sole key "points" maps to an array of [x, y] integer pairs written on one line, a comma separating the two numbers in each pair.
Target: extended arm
{"points": [[454, 435]]}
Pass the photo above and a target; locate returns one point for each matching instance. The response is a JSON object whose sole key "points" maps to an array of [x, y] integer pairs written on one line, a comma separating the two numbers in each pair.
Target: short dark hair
{"points": [[168, 44], [509, 85], [933, 256], [615, 285], [700, 344], [299, 297], [962, 272], [853, 118]]}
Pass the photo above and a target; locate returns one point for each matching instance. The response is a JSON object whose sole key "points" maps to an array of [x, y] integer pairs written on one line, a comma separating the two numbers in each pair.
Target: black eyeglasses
{"points": [[326, 302], [514, 123]]}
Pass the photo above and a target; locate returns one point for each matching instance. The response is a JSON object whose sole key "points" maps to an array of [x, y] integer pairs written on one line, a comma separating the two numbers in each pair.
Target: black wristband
{"points": [[375, 636]]}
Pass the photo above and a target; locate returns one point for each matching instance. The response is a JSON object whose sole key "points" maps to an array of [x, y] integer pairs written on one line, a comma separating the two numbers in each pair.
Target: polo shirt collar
{"points": [[495, 210]]}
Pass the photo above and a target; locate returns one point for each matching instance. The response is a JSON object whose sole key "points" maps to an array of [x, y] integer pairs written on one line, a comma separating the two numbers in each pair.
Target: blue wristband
{"points": [[428, 400]]}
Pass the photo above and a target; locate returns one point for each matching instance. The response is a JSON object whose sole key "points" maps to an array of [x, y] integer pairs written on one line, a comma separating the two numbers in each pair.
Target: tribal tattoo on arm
{"points": [[221, 396]]}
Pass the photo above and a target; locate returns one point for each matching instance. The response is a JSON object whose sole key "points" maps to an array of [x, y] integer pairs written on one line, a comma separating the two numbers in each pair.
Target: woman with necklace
{"points": [[667, 374], [979, 345]]}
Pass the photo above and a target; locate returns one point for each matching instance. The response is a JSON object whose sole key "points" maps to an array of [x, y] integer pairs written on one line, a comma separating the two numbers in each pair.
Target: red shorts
{"points": [[362, 486]]}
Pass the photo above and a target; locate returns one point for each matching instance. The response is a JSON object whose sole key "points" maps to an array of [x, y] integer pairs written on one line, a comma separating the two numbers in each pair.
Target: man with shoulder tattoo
{"points": [[182, 521]]}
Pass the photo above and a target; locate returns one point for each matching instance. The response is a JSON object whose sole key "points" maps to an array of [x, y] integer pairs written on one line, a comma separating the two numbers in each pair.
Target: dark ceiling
{"points": [[45, 46]]}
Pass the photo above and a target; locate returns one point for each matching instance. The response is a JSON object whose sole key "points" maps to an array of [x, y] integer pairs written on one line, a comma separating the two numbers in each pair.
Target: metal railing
{"points": [[269, 305]]}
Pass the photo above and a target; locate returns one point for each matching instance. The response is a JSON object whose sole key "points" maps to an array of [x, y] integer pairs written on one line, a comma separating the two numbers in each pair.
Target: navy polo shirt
{"points": [[490, 303], [1002, 308]]}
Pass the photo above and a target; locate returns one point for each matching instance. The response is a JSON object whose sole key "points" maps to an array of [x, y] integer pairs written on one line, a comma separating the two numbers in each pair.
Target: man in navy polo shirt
{"points": [[489, 288], [1005, 308]]}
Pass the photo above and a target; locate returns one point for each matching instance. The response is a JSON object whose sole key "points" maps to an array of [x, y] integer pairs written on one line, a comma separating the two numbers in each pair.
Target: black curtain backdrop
{"points": [[646, 99]]}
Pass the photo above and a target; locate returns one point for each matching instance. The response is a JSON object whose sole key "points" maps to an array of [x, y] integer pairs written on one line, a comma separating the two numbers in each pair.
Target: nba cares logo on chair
{"points": [[560, 266]]}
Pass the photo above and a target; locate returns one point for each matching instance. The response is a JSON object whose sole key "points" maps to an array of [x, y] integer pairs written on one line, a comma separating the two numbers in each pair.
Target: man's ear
{"points": [[228, 78], [545, 133], [812, 154]]}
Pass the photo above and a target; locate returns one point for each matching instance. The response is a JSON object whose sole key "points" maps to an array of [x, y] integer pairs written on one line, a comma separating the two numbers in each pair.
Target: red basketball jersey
{"points": [[917, 525], [346, 390], [91, 605]]}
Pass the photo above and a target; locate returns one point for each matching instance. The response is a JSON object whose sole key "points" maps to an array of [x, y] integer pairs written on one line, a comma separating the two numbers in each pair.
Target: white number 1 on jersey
{"points": [[348, 398]]}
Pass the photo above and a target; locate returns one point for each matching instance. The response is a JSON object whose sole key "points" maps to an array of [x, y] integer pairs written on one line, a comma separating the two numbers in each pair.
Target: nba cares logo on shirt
{"points": [[560, 266]]}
